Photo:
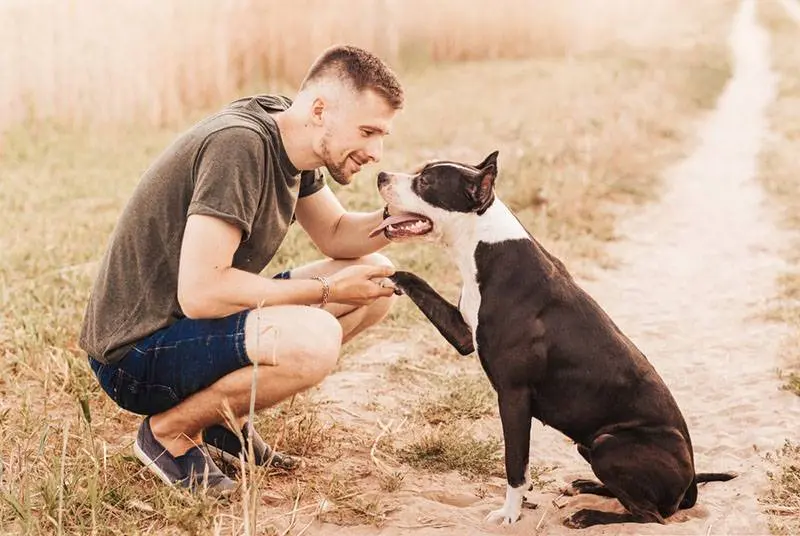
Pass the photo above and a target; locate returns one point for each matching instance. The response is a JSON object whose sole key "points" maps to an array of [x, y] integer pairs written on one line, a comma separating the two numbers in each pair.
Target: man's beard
{"points": [[336, 170]]}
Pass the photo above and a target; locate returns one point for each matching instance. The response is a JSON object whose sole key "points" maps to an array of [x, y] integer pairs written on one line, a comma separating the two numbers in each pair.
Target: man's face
{"points": [[353, 128]]}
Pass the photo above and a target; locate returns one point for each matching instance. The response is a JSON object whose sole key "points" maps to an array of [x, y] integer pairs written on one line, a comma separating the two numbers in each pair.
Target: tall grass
{"points": [[89, 62]]}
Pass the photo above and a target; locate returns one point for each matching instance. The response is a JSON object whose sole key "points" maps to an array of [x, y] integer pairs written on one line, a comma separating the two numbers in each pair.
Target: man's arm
{"points": [[337, 233], [209, 287]]}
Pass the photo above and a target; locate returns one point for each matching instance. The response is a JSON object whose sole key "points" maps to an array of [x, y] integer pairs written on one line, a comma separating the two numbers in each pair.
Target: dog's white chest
{"points": [[496, 225], [469, 304]]}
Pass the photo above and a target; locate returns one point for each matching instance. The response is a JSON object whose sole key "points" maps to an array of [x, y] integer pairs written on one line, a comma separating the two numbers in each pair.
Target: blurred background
{"points": [[97, 61]]}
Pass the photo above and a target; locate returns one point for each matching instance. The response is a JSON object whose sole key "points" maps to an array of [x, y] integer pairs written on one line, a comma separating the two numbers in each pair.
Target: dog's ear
{"points": [[489, 160], [481, 187]]}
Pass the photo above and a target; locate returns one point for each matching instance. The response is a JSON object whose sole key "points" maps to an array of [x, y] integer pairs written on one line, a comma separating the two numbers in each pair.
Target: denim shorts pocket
{"points": [[143, 398]]}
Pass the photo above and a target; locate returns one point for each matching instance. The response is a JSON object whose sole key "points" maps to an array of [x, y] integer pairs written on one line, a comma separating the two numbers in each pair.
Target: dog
{"points": [[549, 350]]}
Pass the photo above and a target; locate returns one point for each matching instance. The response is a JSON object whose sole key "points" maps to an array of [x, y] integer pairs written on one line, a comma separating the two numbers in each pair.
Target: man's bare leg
{"points": [[304, 343], [353, 319]]}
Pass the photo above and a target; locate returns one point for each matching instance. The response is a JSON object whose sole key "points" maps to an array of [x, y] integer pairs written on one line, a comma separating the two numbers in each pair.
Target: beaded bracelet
{"points": [[326, 289]]}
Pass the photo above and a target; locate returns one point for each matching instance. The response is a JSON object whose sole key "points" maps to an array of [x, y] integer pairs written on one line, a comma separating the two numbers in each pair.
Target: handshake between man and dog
{"points": [[549, 350]]}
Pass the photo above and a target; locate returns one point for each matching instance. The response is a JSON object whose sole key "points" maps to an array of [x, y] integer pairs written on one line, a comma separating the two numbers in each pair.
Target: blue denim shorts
{"points": [[167, 367], [161, 370]]}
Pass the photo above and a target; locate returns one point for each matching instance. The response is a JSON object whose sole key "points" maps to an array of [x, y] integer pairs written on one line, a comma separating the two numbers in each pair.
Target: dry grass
{"points": [[459, 397], [451, 447], [779, 164], [779, 171], [577, 131], [783, 499], [94, 62]]}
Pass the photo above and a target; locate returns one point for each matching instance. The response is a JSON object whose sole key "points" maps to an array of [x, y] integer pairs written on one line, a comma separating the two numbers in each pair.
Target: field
{"points": [[588, 106]]}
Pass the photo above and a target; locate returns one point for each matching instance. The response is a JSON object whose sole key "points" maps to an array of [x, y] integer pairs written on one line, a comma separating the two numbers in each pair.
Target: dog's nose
{"points": [[383, 179]]}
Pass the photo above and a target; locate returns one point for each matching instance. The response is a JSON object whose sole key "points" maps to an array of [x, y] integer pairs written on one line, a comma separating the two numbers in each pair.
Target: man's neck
{"points": [[295, 135]]}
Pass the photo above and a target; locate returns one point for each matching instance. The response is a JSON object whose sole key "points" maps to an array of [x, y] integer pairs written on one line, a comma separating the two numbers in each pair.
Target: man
{"points": [[179, 313]]}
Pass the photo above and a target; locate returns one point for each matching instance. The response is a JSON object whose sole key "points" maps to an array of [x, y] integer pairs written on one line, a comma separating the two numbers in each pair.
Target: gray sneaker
{"points": [[194, 470], [224, 444]]}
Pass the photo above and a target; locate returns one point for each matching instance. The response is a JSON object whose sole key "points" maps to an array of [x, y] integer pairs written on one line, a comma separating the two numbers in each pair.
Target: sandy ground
{"points": [[696, 270]]}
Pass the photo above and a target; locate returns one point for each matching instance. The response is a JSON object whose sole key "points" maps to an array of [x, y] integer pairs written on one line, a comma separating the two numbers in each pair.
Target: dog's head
{"points": [[441, 197]]}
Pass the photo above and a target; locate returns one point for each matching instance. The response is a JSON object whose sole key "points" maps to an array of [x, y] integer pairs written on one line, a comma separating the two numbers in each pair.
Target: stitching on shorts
{"points": [[239, 340], [131, 380]]}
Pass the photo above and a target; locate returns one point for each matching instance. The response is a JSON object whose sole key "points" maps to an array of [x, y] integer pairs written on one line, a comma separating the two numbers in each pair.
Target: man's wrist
{"points": [[326, 289]]}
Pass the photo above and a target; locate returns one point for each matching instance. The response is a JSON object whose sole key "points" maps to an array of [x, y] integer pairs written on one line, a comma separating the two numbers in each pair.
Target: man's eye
{"points": [[366, 133]]}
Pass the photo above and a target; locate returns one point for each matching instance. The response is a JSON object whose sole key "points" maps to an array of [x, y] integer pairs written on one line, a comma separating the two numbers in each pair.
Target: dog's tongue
{"points": [[393, 220]]}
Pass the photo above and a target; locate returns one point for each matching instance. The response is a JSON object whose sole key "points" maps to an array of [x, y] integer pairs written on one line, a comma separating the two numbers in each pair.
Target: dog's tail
{"points": [[714, 477], [690, 497]]}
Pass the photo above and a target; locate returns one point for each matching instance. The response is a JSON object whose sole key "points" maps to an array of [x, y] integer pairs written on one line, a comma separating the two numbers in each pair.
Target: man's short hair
{"points": [[360, 68]]}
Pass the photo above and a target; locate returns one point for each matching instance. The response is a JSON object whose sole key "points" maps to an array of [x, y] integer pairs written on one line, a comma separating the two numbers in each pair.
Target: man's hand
{"points": [[361, 284]]}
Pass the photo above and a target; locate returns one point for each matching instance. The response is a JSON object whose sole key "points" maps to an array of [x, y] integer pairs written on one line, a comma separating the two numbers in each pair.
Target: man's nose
{"points": [[383, 179], [375, 150]]}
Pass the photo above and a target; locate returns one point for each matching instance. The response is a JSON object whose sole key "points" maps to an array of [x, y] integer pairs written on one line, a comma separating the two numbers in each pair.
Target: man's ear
{"points": [[317, 109], [489, 160]]}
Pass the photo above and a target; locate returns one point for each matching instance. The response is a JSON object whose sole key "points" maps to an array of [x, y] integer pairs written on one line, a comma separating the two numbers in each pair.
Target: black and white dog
{"points": [[549, 350]]}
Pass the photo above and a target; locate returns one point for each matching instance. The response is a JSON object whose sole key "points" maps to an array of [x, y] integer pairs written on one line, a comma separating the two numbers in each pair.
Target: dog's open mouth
{"points": [[405, 224]]}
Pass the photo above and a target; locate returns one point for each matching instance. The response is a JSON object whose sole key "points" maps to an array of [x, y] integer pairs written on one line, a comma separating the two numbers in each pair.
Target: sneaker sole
{"points": [[233, 460], [151, 464], [226, 457]]}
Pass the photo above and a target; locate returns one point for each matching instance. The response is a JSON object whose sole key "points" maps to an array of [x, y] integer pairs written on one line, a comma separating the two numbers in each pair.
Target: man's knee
{"points": [[305, 339], [376, 259]]}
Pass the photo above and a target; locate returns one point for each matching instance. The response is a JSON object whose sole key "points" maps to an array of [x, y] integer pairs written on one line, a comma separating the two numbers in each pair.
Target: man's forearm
{"points": [[351, 235], [233, 290]]}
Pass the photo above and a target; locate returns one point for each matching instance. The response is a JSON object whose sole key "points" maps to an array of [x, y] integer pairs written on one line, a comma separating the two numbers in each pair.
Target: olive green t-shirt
{"points": [[233, 166]]}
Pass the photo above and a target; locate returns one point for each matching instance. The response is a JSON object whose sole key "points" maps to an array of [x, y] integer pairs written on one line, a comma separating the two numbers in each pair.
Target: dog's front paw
{"points": [[403, 280], [503, 516]]}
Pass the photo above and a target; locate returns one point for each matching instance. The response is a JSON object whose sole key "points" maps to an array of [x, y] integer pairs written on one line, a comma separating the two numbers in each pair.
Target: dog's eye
{"points": [[422, 180]]}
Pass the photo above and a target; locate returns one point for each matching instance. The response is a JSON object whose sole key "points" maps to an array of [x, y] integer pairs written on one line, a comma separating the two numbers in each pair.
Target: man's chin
{"points": [[340, 176]]}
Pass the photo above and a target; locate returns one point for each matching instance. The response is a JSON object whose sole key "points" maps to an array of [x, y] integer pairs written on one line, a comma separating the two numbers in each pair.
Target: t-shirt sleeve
{"points": [[311, 182], [229, 177]]}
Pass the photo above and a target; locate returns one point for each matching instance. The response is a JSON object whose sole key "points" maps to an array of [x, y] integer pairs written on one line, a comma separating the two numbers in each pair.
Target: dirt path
{"points": [[696, 270]]}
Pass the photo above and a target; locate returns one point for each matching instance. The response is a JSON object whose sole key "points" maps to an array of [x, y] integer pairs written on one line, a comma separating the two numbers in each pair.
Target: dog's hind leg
{"points": [[648, 472], [583, 486], [515, 415]]}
